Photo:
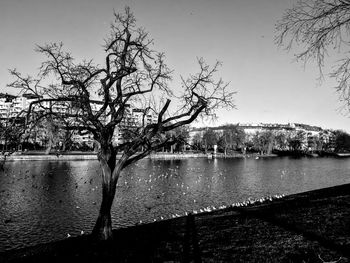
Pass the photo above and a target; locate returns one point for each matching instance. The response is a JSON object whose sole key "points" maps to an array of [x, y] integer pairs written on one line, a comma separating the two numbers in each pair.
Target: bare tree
{"points": [[281, 140], [98, 99], [209, 139], [319, 27], [11, 130], [297, 140], [197, 141], [234, 136], [12, 127], [264, 141]]}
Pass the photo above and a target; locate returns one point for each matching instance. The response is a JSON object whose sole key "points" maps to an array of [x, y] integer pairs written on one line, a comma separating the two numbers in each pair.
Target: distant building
{"points": [[16, 106], [134, 118], [5, 105], [311, 132]]}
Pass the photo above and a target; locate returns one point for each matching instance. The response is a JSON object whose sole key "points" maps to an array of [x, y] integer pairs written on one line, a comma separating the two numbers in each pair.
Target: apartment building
{"points": [[5, 105], [134, 118], [15, 106]]}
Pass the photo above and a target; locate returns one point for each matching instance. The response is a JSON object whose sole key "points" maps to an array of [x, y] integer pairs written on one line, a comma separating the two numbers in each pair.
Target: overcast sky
{"points": [[271, 87]]}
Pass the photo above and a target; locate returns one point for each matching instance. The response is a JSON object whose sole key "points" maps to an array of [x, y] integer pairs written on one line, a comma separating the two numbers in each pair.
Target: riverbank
{"points": [[308, 227], [78, 155], [92, 156]]}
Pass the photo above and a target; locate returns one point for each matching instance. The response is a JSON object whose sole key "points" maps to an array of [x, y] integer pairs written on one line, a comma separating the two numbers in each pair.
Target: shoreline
{"points": [[300, 227], [93, 156], [67, 156]]}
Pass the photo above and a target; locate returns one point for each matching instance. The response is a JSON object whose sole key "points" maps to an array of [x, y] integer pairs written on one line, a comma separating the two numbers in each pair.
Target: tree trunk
{"points": [[110, 174], [64, 147], [103, 226], [2, 162], [49, 147]]}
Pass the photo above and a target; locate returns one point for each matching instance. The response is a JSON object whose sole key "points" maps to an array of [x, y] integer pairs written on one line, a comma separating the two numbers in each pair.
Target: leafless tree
{"points": [[320, 27], [11, 129], [98, 97]]}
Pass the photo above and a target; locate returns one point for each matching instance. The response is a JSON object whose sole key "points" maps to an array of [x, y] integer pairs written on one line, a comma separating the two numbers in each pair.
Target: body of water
{"points": [[42, 201]]}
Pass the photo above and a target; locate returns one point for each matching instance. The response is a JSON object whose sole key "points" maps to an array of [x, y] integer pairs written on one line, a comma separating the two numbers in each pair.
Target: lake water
{"points": [[42, 201]]}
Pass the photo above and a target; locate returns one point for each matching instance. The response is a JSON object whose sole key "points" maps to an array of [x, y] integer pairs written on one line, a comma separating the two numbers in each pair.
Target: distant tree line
{"points": [[47, 136], [234, 139]]}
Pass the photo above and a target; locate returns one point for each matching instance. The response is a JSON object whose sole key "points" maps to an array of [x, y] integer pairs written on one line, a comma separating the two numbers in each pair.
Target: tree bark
{"points": [[110, 174], [103, 227]]}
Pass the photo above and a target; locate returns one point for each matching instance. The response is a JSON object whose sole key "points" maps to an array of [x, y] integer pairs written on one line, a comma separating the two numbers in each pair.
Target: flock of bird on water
{"points": [[147, 183]]}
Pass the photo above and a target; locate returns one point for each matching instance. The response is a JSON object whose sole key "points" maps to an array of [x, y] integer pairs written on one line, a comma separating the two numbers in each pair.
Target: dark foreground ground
{"points": [[308, 227]]}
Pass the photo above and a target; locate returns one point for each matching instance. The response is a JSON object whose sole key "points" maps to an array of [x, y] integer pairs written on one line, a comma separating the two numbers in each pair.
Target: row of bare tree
{"points": [[234, 138]]}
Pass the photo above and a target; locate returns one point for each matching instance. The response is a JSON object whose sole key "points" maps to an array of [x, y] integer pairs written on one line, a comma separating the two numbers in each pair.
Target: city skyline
{"points": [[271, 87], [13, 106]]}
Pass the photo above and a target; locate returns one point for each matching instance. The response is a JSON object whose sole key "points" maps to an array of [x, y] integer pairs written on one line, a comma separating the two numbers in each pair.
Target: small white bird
{"points": [[81, 232], [68, 235], [208, 209]]}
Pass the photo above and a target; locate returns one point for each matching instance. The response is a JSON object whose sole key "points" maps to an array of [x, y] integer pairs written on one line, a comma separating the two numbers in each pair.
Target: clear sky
{"points": [[271, 87]]}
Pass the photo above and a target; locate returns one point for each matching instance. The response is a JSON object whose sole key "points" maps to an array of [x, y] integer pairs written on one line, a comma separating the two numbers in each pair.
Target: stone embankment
{"points": [[51, 157], [93, 156], [306, 227]]}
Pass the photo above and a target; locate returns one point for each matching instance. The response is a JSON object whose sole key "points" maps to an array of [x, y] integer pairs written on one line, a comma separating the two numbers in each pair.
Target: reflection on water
{"points": [[41, 201]]}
